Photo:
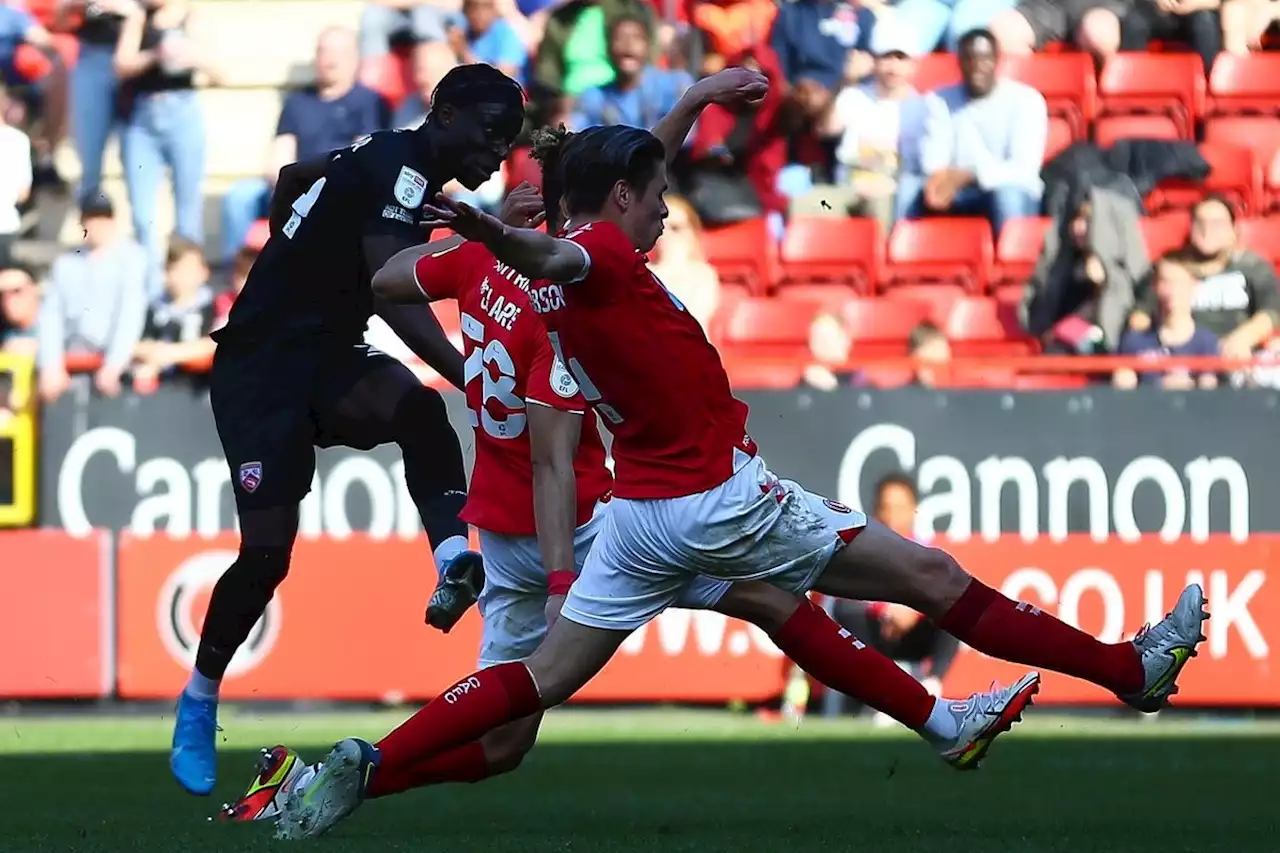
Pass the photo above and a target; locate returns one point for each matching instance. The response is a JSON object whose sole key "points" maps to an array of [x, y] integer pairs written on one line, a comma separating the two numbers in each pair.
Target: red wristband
{"points": [[558, 582]]}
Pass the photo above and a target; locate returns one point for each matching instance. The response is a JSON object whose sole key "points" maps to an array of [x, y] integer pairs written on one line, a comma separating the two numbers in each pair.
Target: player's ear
{"points": [[445, 114], [622, 195]]}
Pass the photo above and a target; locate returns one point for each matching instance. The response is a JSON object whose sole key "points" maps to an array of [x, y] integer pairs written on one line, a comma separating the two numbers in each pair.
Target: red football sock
{"points": [[842, 662], [1017, 632], [473, 707], [467, 763]]}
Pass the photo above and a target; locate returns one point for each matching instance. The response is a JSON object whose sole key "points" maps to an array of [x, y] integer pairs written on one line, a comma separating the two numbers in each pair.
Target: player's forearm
{"points": [[421, 332], [397, 280], [538, 255], [677, 124], [555, 496]]}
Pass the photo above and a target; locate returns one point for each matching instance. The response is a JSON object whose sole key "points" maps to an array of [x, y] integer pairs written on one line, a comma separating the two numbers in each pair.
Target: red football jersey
{"points": [[648, 369], [509, 363]]}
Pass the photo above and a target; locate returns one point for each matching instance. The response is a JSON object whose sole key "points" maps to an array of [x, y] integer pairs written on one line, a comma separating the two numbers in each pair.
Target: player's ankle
{"points": [[941, 724], [448, 549], [201, 686]]}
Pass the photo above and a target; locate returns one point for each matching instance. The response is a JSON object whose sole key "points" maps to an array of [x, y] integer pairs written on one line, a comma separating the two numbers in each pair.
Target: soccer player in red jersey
{"points": [[692, 497], [539, 493]]}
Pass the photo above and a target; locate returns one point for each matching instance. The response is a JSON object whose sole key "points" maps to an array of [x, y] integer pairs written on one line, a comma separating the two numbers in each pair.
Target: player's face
{"points": [[483, 135], [643, 209]]}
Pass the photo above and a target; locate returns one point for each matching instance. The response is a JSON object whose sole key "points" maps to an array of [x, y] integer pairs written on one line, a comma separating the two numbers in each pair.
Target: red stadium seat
{"points": [[1111, 129], [741, 253], [393, 79], [1262, 236], [1241, 85], [1066, 80], [764, 328], [1233, 172], [818, 292], [938, 297], [1169, 84], [1261, 134], [880, 326], [840, 251], [730, 295], [1010, 294], [522, 167], [981, 326], [1060, 137], [935, 70], [1163, 234], [1018, 248], [950, 250], [775, 375]]}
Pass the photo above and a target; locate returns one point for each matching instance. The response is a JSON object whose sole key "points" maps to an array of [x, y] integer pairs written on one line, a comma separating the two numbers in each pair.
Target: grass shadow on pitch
{"points": [[1036, 793]]}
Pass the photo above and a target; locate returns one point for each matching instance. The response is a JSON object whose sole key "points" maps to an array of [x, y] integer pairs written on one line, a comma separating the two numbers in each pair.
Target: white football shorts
{"points": [[513, 602], [752, 526]]}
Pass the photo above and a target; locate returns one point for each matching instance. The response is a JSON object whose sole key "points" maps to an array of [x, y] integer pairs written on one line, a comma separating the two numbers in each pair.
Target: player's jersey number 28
{"points": [[486, 359]]}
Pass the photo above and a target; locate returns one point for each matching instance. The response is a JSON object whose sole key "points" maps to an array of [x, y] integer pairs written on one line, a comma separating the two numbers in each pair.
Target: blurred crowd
{"points": [[844, 133]]}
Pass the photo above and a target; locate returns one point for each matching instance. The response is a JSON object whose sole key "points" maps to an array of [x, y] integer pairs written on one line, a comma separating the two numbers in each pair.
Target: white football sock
{"points": [[942, 724], [448, 549], [202, 687]]}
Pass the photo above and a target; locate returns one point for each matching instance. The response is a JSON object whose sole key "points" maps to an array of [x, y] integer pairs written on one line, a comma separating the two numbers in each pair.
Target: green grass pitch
{"points": [[615, 781]]}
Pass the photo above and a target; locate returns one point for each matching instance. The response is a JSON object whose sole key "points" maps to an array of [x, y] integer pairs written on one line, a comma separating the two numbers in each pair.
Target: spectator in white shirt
{"points": [[983, 144], [870, 120], [15, 179]]}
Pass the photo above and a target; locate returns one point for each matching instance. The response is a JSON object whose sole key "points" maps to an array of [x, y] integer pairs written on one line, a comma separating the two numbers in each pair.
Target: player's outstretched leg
{"points": [[480, 703], [960, 730], [238, 601], [879, 565]]}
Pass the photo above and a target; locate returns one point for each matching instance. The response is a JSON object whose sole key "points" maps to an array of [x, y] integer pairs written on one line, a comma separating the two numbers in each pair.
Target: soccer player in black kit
{"points": [[292, 372]]}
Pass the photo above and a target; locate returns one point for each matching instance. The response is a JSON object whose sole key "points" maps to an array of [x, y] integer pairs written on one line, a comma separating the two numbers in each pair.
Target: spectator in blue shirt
{"points": [[1176, 333], [330, 114], [813, 38], [488, 38], [641, 93]]}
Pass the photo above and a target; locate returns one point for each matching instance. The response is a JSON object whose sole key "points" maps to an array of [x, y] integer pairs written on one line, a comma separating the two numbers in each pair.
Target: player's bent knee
{"points": [[264, 567], [938, 580], [421, 407]]}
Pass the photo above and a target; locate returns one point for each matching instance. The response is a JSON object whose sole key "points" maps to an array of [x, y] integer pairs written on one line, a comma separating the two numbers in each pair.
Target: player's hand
{"points": [[523, 208], [465, 220], [733, 86]]}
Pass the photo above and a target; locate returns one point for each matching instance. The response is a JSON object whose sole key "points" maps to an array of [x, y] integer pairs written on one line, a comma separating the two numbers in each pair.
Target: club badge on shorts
{"points": [[251, 476], [411, 188]]}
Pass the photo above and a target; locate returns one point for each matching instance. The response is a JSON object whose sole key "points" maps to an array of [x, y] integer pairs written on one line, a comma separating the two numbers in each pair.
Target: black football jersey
{"points": [[313, 276]]}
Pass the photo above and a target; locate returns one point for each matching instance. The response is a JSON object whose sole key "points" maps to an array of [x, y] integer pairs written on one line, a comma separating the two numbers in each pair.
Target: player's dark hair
{"points": [[897, 478], [582, 168], [179, 248], [477, 83]]}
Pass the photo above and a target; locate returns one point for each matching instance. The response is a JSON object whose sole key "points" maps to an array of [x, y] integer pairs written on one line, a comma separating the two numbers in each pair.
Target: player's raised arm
{"points": [[409, 276], [530, 252], [732, 86]]}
